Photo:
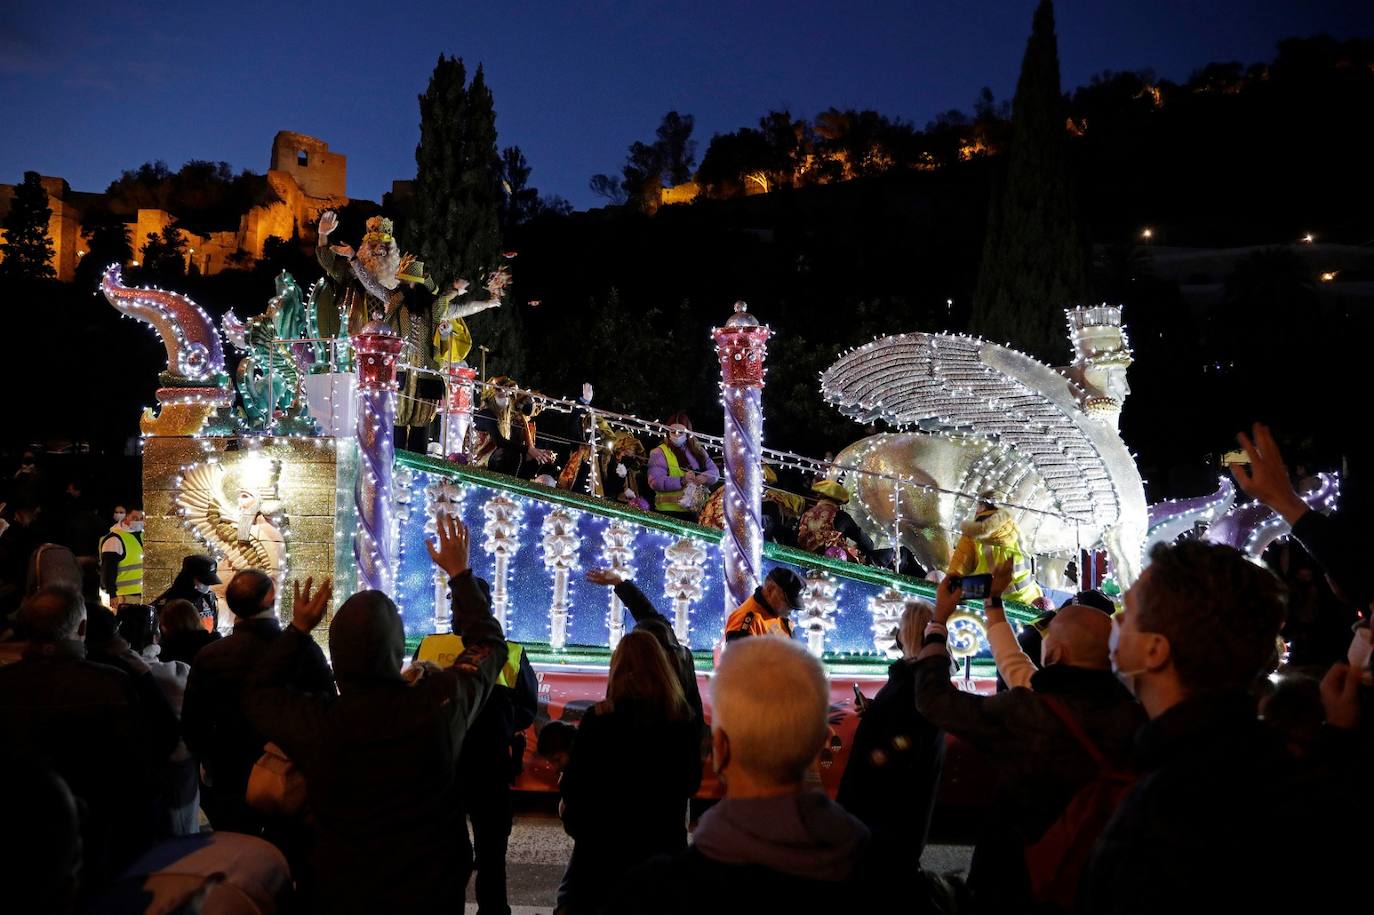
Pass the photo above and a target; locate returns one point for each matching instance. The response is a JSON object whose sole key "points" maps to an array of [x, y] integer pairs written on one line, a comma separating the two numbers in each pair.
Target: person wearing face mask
{"points": [[194, 583], [1216, 783], [1040, 761], [766, 611], [678, 463], [121, 560], [505, 431]]}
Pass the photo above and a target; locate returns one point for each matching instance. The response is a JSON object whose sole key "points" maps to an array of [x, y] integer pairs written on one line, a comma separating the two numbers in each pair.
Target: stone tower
{"points": [[319, 172]]}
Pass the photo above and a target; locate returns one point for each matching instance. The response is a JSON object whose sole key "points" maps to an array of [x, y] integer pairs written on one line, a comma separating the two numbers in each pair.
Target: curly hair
{"points": [[1220, 612]]}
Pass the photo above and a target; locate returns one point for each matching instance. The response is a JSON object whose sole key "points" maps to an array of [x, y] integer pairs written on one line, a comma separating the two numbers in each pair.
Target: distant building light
{"points": [[1329, 276], [1308, 239], [1147, 234]]}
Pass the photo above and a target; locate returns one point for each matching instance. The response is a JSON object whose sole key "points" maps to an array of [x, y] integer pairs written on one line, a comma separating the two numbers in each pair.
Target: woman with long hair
{"points": [[681, 473], [632, 768]]}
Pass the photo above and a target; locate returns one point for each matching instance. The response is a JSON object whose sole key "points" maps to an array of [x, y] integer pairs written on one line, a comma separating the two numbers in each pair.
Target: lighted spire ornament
{"points": [[561, 543], [501, 529], [617, 549], [443, 499], [819, 603], [374, 546], [742, 347], [886, 609], [682, 580]]}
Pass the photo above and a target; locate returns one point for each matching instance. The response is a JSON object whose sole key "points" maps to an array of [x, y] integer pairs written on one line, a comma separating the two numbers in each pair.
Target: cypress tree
{"points": [[455, 226], [28, 252], [1035, 257]]}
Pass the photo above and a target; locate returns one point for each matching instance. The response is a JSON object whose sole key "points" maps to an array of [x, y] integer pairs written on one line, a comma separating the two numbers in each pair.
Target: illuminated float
{"points": [[298, 476]]}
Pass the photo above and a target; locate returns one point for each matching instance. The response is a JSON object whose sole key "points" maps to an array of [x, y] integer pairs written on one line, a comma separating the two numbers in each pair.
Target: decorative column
{"points": [[374, 546], [617, 549], [560, 555], [445, 500], [819, 604], [682, 580], [502, 526], [742, 346], [458, 410], [886, 609]]}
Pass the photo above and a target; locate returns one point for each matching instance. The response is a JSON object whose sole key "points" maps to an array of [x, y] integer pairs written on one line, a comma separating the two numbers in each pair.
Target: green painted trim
{"points": [[776, 552]]}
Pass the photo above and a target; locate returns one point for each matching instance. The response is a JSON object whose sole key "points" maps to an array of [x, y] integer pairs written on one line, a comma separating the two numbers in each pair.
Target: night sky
{"points": [[90, 88]]}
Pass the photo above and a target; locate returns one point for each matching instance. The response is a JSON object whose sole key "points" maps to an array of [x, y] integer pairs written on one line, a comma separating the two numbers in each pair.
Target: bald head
{"points": [[769, 700], [1078, 636], [53, 614], [249, 593]]}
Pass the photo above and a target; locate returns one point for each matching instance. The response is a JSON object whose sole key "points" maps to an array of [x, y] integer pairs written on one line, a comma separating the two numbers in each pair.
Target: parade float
{"points": [[288, 465]]}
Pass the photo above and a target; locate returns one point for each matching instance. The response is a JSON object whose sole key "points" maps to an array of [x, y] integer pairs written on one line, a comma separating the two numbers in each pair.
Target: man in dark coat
{"points": [[217, 731], [771, 845], [89, 723], [380, 758], [1040, 765], [1217, 786]]}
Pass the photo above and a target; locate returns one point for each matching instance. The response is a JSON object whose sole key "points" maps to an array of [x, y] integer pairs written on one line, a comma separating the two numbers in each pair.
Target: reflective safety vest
{"points": [[749, 619], [670, 501], [443, 649], [129, 574], [1023, 588]]}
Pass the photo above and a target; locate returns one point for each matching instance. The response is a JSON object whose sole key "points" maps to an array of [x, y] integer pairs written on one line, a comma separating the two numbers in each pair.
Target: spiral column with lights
{"points": [[742, 346], [374, 545]]}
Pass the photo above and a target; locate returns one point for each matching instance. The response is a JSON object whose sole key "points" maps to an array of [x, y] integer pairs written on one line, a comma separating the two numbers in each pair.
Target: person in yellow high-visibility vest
{"points": [[989, 538], [492, 756], [121, 560], [676, 464]]}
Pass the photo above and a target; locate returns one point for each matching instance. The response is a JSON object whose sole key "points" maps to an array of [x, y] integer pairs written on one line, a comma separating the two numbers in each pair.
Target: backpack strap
{"points": [[1075, 729]]}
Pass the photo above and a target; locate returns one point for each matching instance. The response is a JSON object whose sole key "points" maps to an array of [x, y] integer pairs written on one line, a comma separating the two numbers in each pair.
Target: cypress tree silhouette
{"points": [[1035, 257]]}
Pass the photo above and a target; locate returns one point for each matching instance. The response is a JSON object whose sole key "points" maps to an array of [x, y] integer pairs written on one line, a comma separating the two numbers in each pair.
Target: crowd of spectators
{"points": [[1159, 754]]}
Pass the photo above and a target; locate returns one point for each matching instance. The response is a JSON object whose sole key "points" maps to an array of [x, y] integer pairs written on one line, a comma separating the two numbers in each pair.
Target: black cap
{"points": [[202, 567], [790, 583], [1095, 599]]}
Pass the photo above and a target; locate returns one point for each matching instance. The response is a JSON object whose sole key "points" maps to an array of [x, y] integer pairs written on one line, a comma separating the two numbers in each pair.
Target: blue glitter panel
{"points": [[530, 583]]}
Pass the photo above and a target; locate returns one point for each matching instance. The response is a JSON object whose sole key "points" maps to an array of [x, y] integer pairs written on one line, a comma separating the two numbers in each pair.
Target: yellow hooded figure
{"points": [[989, 539]]}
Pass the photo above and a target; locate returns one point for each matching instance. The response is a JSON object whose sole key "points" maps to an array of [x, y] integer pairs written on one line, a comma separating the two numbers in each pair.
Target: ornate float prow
{"points": [[195, 385]]}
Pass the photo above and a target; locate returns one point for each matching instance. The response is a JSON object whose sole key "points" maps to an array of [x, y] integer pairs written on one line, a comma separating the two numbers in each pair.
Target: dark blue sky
{"points": [[90, 88]]}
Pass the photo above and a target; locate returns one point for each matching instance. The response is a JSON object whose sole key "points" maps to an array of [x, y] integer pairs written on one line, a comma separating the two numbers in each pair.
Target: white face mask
{"points": [[1127, 677], [136, 527], [118, 517], [678, 438], [1358, 654]]}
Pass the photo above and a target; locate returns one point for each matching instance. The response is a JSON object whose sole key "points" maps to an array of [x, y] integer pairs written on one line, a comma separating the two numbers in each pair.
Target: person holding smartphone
{"points": [[991, 537]]}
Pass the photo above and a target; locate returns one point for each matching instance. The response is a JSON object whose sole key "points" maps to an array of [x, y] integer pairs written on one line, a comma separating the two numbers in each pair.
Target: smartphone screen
{"points": [[976, 586]]}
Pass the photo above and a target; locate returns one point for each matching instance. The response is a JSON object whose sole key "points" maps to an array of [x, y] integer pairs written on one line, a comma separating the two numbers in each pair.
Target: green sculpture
{"points": [[269, 374]]}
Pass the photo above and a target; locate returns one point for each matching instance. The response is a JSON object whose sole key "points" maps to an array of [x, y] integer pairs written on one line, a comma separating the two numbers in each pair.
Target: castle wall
{"points": [[319, 172]]}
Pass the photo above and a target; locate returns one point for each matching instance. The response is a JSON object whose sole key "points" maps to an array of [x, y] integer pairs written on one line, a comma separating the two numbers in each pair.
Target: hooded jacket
{"points": [[379, 759], [794, 853]]}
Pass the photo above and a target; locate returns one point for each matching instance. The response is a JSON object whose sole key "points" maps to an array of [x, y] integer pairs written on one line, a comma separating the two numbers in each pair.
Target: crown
{"points": [[1084, 316], [378, 229]]}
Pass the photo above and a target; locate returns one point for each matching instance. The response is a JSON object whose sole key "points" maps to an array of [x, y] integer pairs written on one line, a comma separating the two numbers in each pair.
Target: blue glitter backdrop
{"points": [[530, 584]]}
